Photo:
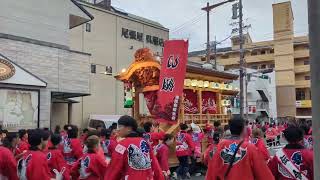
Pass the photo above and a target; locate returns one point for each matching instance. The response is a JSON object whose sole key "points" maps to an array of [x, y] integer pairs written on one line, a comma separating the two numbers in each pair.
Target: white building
{"points": [[38, 70], [260, 99]]}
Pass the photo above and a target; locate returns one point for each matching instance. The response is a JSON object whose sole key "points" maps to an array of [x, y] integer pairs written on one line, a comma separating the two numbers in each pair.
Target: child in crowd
{"points": [[91, 165], [152, 137], [10, 142], [184, 149], [84, 135], [33, 164], [55, 158], [23, 144], [162, 154], [72, 146], [258, 141], [8, 164], [108, 145], [307, 138], [208, 154], [197, 137]]}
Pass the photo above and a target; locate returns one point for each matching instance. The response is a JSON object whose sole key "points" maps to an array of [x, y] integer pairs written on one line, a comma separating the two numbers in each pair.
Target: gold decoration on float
{"points": [[7, 70]]}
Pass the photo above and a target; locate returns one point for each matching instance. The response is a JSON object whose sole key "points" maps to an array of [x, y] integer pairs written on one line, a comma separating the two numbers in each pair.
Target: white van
{"points": [[103, 120]]}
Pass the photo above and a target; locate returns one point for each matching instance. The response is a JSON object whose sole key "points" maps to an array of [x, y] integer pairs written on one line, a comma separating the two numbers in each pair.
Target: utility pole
{"points": [[314, 38], [208, 8], [208, 33], [241, 60], [215, 52]]}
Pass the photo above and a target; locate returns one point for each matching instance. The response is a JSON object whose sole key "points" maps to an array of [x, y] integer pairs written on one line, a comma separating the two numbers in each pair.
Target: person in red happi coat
{"points": [[132, 158], [72, 146], [293, 161], [184, 148], [91, 166], [237, 158], [108, 145], [210, 151], [8, 164], [162, 153], [152, 137], [307, 138], [33, 165], [23, 145], [55, 158], [258, 141]]}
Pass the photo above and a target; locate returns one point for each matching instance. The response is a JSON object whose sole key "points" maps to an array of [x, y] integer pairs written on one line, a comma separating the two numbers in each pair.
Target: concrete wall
{"points": [[108, 48], [63, 70], [45, 20]]}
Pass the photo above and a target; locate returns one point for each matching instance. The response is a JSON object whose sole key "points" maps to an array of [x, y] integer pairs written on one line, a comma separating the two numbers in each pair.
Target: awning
{"points": [[67, 95]]}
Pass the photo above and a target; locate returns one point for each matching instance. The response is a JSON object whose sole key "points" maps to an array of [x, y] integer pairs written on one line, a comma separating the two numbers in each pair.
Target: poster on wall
{"points": [[19, 109], [171, 81]]}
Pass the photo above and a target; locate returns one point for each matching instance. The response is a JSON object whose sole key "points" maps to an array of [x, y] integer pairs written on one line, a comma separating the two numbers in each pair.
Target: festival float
{"points": [[205, 95]]}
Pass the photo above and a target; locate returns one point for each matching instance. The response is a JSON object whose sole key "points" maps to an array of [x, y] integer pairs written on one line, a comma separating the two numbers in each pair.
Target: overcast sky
{"points": [[185, 19]]}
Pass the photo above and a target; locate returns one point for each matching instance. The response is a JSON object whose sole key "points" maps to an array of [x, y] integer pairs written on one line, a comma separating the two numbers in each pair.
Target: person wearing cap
{"points": [[33, 165], [294, 161], [133, 158], [236, 158]]}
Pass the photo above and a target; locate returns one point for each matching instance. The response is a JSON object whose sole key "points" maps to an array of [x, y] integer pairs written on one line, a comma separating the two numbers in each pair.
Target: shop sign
{"points": [[139, 36], [7, 70]]}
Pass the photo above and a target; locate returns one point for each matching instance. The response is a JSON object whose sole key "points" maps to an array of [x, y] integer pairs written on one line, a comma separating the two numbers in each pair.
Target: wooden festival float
{"points": [[206, 96]]}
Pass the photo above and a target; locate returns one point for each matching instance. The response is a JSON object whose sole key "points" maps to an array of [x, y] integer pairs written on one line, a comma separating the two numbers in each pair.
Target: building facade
{"points": [[287, 55], [111, 38], [39, 71], [260, 97]]}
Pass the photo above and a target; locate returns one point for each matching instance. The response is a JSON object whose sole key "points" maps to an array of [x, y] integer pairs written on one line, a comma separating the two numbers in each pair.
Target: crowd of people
{"points": [[125, 151]]}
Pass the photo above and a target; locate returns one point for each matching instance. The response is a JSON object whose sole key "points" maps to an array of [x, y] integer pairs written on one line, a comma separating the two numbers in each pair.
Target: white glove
{"points": [[59, 175]]}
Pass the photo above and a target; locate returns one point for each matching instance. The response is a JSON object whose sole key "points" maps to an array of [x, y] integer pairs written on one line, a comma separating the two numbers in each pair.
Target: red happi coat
{"points": [[208, 154], [162, 153], [8, 165], [72, 150], [133, 159], [34, 166], [259, 143], [56, 161], [248, 164], [22, 146], [185, 145], [108, 146], [90, 166], [308, 141], [153, 137], [300, 157]]}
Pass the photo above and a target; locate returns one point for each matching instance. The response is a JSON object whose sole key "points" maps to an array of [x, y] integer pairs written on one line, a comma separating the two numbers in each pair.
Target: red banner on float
{"points": [[171, 81], [209, 105]]}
